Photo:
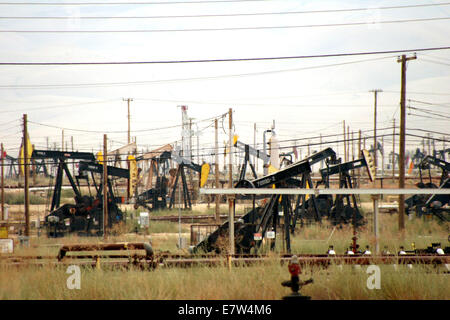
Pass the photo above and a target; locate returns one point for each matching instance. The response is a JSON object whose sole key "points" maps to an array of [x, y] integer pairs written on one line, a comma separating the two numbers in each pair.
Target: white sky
{"points": [[303, 103]]}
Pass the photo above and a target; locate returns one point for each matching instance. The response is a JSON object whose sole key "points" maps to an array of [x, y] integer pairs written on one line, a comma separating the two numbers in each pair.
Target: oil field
{"points": [[195, 151]]}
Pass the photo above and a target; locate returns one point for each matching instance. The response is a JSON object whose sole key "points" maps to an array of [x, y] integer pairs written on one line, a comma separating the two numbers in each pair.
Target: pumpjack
{"points": [[261, 222], [428, 205], [202, 170], [344, 209], [85, 217], [249, 151], [156, 198], [310, 207]]}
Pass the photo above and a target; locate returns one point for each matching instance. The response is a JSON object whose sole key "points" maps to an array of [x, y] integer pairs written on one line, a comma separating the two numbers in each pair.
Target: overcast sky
{"points": [[305, 97]]}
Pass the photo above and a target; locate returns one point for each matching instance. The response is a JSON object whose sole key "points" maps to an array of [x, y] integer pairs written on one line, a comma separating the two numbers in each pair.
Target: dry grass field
{"points": [[259, 282]]}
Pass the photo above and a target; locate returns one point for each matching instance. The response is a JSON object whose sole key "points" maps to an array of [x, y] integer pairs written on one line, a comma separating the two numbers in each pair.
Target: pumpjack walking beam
{"points": [[98, 168], [249, 151], [61, 157], [306, 182]]}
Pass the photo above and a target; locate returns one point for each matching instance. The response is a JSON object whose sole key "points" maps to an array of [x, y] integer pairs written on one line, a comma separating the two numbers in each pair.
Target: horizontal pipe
{"points": [[290, 191]]}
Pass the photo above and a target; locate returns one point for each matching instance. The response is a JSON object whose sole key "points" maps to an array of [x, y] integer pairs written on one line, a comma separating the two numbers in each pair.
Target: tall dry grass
{"points": [[254, 282], [258, 282]]}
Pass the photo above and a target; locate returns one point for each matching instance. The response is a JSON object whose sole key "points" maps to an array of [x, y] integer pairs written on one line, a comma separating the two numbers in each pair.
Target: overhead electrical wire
{"points": [[109, 84], [329, 55], [55, 107], [124, 131], [232, 28], [226, 15], [123, 3], [423, 116], [430, 103], [436, 62]]}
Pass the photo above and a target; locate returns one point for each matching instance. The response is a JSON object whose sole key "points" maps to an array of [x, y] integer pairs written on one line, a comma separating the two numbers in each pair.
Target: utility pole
{"points": [[345, 147], [216, 169], [393, 152], [62, 140], [3, 184], [382, 156], [105, 186], [190, 152], [353, 147], [401, 181], [255, 159], [230, 185], [33, 168], [375, 96], [190, 138], [26, 174], [321, 162], [359, 155], [128, 102], [374, 196], [348, 143], [73, 163]]}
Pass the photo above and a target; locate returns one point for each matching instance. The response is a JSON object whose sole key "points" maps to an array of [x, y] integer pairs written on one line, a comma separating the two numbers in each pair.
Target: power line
{"points": [[55, 107], [436, 62], [429, 131], [108, 84], [330, 55], [123, 131], [429, 112], [429, 103], [224, 15], [424, 93], [120, 3], [230, 28]]}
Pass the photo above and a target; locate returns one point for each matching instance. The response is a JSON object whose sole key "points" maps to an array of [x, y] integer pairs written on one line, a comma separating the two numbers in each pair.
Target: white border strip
{"points": [[316, 192]]}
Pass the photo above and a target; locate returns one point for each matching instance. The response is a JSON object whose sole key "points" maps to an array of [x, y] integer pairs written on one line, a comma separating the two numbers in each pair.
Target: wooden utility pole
{"points": [[375, 197], [33, 168], [3, 184], [375, 96], [73, 163], [105, 186], [129, 131], [393, 152], [216, 169], [358, 156], [26, 170], [321, 162], [255, 159], [345, 146], [382, 157], [348, 143], [230, 184], [401, 180], [353, 147]]}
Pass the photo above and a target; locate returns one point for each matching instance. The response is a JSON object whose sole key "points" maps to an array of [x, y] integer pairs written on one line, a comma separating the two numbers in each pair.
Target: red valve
{"points": [[294, 267]]}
